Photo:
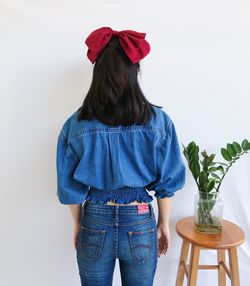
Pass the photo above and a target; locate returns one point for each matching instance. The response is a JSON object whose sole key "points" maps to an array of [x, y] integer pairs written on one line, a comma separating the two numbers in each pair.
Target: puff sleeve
{"points": [[69, 190], [170, 166]]}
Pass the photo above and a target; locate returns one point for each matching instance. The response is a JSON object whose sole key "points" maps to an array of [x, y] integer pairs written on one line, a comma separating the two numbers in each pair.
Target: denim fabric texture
{"points": [[123, 195], [109, 232], [92, 155]]}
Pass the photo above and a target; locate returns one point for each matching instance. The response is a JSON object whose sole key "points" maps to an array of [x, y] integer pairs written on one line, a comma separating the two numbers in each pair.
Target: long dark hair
{"points": [[115, 97]]}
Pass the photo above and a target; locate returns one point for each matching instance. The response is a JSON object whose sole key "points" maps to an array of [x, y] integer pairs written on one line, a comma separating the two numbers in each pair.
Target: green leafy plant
{"points": [[205, 171], [209, 174]]}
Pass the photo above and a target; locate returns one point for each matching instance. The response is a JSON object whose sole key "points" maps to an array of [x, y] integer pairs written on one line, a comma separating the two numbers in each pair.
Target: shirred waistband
{"points": [[121, 195], [120, 189]]}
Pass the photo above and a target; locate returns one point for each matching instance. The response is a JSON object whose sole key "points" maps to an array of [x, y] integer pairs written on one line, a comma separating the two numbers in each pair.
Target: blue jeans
{"points": [[126, 232]]}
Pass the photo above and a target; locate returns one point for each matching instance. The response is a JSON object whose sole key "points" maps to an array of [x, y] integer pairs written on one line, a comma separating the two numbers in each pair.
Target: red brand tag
{"points": [[142, 208]]}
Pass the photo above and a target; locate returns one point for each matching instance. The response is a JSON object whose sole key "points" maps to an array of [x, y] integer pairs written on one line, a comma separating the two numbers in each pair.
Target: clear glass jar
{"points": [[208, 212]]}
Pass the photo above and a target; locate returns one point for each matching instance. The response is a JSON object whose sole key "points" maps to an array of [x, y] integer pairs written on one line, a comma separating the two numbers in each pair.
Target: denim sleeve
{"points": [[69, 190], [170, 166]]}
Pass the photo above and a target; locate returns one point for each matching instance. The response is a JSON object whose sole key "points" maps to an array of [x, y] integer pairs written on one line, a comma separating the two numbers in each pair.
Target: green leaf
{"points": [[237, 147], [244, 144], [207, 161], [215, 176], [211, 184], [193, 154], [213, 169], [231, 149], [194, 150], [194, 158], [225, 154], [204, 153], [190, 146], [221, 169], [195, 169], [210, 159], [186, 154], [202, 178]]}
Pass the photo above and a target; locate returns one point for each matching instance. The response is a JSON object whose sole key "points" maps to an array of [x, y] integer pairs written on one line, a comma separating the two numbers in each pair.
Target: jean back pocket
{"points": [[142, 244], [91, 242]]}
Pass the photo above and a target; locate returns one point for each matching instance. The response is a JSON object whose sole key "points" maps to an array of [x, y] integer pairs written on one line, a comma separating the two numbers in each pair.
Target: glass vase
{"points": [[208, 212]]}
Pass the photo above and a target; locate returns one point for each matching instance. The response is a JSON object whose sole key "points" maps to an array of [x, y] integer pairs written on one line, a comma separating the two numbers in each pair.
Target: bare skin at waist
{"points": [[132, 203]]}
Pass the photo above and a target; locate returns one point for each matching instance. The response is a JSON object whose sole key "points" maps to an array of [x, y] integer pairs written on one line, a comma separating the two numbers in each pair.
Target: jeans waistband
{"points": [[117, 209]]}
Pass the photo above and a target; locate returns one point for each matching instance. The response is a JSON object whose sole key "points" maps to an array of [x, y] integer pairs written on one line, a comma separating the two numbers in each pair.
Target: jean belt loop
{"points": [[151, 210], [83, 207]]}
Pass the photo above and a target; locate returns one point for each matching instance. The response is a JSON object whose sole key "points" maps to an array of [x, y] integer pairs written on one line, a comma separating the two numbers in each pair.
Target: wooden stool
{"points": [[231, 237]]}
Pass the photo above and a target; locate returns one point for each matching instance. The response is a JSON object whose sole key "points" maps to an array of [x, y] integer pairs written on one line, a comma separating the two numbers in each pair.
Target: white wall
{"points": [[198, 69]]}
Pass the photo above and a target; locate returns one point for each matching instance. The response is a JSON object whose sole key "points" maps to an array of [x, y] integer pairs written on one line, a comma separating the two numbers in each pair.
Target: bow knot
{"points": [[133, 43], [115, 33]]}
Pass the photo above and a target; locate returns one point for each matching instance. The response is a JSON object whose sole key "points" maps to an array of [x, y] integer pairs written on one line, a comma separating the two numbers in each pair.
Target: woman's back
{"points": [[107, 157]]}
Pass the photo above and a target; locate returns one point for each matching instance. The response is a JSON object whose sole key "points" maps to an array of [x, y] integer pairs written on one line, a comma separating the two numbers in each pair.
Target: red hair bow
{"points": [[133, 43]]}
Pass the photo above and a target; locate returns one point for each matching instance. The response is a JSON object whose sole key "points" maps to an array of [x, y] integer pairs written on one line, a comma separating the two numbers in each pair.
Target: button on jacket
{"points": [[93, 154]]}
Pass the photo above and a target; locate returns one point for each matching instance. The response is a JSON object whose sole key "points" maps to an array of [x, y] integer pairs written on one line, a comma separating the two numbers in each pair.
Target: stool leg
{"points": [[234, 267], [221, 271], [182, 260], [193, 265]]}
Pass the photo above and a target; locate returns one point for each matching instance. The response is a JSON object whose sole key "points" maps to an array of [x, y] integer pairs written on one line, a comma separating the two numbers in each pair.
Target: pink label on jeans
{"points": [[142, 208]]}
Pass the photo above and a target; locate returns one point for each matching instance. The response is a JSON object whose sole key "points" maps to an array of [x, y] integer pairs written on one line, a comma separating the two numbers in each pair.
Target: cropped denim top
{"points": [[99, 162]]}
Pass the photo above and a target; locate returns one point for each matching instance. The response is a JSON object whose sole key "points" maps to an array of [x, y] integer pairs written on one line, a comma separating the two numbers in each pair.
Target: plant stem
{"points": [[217, 189], [231, 163]]}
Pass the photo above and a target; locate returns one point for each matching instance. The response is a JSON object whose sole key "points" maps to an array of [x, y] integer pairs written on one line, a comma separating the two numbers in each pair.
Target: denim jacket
{"points": [[92, 154]]}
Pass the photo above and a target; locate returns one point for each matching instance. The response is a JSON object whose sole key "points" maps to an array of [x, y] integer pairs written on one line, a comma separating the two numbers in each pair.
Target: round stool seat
{"points": [[232, 235]]}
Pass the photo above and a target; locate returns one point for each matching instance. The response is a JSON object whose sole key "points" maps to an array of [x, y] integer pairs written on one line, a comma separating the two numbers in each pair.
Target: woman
{"points": [[111, 152]]}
